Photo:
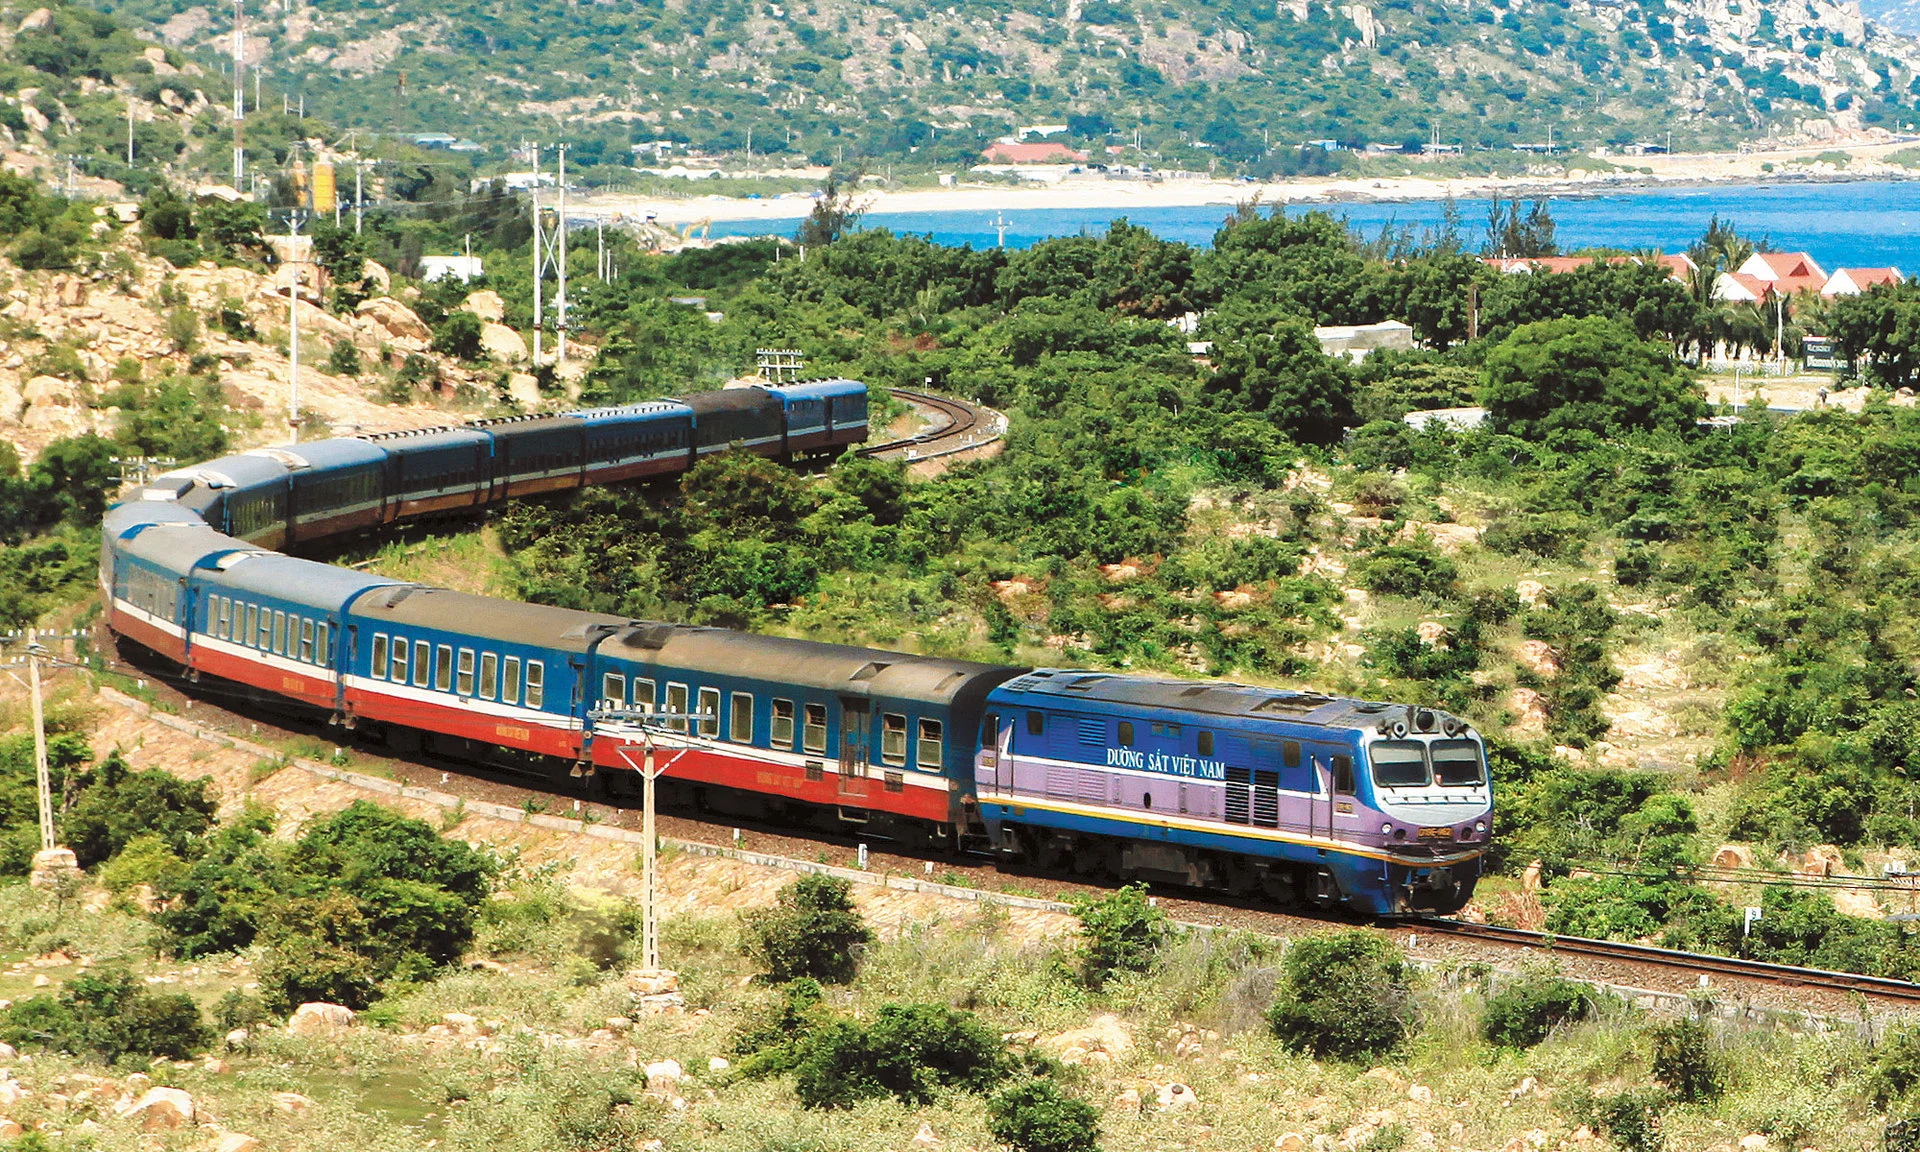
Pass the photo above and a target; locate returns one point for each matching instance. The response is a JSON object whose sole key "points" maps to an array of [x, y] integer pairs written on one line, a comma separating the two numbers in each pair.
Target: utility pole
{"points": [[239, 108], [600, 248], [41, 777], [358, 167], [560, 302], [539, 265], [1000, 226], [293, 323]]}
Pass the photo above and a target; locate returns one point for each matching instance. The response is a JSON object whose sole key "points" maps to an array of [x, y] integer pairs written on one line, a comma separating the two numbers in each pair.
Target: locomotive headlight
{"points": [[1386, 829], [1480, 826]]}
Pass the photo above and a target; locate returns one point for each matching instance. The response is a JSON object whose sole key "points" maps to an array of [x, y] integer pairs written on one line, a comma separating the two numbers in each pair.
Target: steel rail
{"points": [[962, 418], [1878, 986]]}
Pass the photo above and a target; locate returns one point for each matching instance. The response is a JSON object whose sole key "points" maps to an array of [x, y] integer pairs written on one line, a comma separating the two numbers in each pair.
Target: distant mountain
{"points": [[1898, 16], [1232, 84]]}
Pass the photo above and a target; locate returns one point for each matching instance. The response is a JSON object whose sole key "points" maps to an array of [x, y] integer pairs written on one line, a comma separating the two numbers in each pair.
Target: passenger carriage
{"points": [[635, 441], [858, 735], [822, 415], [750, 419], [436, 470]]}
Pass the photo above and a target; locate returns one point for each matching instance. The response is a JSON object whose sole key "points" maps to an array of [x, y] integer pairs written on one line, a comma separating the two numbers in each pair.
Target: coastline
{"points": [[1794, 166]]}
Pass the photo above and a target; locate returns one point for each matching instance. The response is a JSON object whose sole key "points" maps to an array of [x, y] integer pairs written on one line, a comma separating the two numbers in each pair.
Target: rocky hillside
{"points": [[1195, 82]]}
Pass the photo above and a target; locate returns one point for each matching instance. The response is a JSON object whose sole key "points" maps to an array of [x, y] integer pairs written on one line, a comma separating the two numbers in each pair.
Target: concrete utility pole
{"points": [[539, 268], [358, 167], [239, 108], [129, 131], [294, 221], [560, 228], [52, 864]]}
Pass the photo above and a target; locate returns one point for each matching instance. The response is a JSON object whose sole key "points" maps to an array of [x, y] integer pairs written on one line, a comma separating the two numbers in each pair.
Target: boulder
{"points": [[652, 981], [318, 1019], [501, 343], [485, 304], [7, 1054], [11, 1130], [1105, 1035], [1539, 658], [524, 389], [925, 1138], [664, 1072], [39, 20], [718, 1064], [1174, 1097], [40, 392], [215, 1066], [1128, 1100], [1420, 1094], [1531, 592], [1290, 1142], [377, 276], [1754, 1142], [464, 1023], [236, 1142], [1733, 856], [292, 1103], [398, 320], [238, 1038], [161, 1110]]}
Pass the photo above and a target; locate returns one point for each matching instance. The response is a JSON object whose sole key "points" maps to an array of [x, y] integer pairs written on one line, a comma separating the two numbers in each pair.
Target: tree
{"points": [[1592, 374], [458, 336], [1878, 332], [1035, 1116], [835, 212], [1342, 995], [814, 930], [1284, 374], [1511, 235], [343, 253], [1121, 932]]}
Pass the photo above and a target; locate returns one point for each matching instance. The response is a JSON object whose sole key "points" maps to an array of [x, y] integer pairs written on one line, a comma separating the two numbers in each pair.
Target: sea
{"points": [[1852, 224]]}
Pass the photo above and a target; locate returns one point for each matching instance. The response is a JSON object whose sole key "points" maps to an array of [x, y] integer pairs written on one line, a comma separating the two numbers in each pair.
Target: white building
{"points": [[467, 268]]}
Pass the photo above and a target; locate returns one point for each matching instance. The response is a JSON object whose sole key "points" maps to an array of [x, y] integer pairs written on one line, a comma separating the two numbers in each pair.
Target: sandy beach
{"points": [[1122, 195]]}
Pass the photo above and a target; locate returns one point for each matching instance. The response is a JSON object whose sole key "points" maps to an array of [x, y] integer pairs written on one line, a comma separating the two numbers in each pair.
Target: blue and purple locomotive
{"points": [[1381, 808]]}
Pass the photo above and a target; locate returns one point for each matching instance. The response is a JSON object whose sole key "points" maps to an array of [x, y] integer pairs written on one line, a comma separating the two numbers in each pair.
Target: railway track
{"points": [[1787, 975], [967, 426]]}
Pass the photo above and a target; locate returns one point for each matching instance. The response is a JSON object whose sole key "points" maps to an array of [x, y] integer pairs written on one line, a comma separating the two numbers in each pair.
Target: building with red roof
{"points": [[1853, 281], [1040, 152], [1790, 273], [1677, 264], [1742, 288]]}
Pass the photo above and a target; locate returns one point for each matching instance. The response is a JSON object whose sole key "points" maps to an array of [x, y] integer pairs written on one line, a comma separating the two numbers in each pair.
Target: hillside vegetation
{"points": [[1198, 83]]}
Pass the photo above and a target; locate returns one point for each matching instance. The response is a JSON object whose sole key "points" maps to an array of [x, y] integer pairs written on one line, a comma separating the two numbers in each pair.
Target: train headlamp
{"points": [[1386, 829]]}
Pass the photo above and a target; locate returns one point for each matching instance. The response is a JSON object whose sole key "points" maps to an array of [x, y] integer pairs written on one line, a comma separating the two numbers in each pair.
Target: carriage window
{"points": [[465, 681], [740, 724], [1398, 764], [224, 629], [613, 690], [782, 724], [378, 665], [489, 674], [927, 755], [1457, 763], [443, 668], [1126, 734], [643, 694], [510, 681], [1206, 743], [306, 640], [677, 705], [422, 654], [1036, 724], [893, 738], [279, 632], [322, 642], [815, 733], [1343, 775], [536, 683], [254, 634], [709, 711], [399, 659]]}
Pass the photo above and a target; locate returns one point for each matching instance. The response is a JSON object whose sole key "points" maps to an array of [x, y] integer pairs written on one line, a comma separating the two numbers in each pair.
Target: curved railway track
{"points": [[967, 426], [1877, 987]]}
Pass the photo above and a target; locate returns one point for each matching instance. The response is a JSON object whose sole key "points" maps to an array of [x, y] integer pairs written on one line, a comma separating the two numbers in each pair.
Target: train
{"points": [[1332, 802]]}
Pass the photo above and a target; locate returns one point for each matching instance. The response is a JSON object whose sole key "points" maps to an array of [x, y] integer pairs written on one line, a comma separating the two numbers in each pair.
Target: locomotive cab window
{"points": [[1290, 753], [1036, 724], [893, 738], [927, 752], [781, 724], [643, 694], [378, 665], [815, 733], [536, 683], [710, 712], [1398, 764], [1456, 763], [740, 722], [1206, 743], [489, 675], [1126, 734], [510, 681], [1343, 775], [465, 682]]}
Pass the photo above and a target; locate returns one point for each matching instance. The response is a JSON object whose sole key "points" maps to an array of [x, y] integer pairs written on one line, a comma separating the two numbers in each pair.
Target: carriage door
{"points": [[856, 714], [989, 773]]}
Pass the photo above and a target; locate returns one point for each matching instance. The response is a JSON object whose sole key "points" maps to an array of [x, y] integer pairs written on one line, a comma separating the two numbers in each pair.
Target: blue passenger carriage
{"points": [[746, 418], [148, 555], [1296, 794], [334, 486], [534, 454], [634, 441], [758, 725], [436, 470], [823, 415]]}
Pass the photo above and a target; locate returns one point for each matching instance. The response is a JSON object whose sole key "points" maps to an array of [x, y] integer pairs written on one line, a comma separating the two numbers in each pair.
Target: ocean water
{"points": [[1864, 223]]}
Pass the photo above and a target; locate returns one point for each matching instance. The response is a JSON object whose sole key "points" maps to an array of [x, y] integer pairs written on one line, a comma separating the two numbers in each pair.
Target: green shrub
{"points": [[458, 336], [116, 806], [1684, 1062], [1896, 1067], [344, 359], [1035, 1116], [237, 1009], [108, 1014], [813, 930], [1523, 1013], [1342, 995], [1120, 932], [1414, 569], [145, 860], [909, 1052], [772, 1044], [1631, 1120], [183, 329]]}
